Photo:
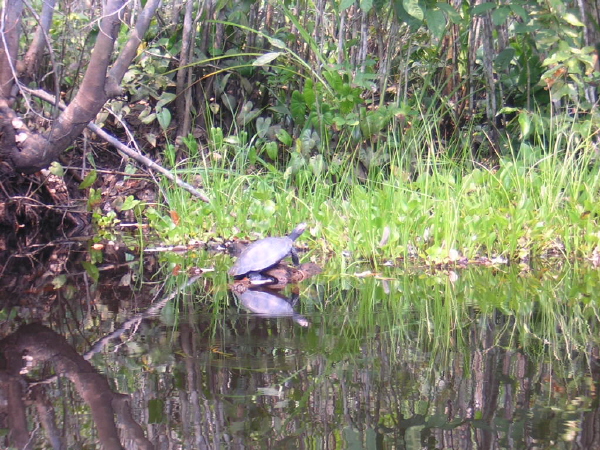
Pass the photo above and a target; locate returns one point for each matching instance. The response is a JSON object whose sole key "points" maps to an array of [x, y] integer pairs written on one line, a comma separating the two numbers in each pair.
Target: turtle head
{"points": [[297, 231]]}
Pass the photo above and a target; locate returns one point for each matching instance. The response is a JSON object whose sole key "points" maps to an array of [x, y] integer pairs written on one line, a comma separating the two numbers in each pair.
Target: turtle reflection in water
{"points": [[264, 254], [268, 303]]}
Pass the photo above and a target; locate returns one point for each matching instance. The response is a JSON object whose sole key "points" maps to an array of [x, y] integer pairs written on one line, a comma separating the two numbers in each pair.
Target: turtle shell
{"points": [[262, 254], [265, 253]]}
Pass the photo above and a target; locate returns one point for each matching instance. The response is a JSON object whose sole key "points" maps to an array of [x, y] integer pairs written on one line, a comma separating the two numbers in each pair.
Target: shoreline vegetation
{"points": [[445, 208]]}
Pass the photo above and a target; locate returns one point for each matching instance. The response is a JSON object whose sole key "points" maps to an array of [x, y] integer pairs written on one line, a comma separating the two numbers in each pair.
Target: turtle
{"points": [[267, 303], [264, 254]]}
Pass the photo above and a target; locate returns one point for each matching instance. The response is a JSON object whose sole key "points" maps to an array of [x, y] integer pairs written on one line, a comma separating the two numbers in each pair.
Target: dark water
{"points": [[479, 358]]}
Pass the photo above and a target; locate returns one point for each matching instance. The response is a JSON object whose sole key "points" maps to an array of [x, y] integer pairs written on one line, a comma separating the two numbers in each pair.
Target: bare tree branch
{"points": [[40, 39], [128, 151], [128, 53]]}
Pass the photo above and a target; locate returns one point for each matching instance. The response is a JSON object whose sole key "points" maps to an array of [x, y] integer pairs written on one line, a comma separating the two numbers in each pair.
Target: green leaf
{"points": [[482, 8], [504, 58], [89, 179], [454, 16], [298, 107], [404, 17], [412, 7], [500, 15], [284, 137], [572, 19], [296, 162], [519, 11], [91, 270], [345, 4], [166, 97], [317, 164], [272, 150], [164, 118], [436, 22], [262, 126], [129, 203], [309, 95], [525, 124], [366, 5], [265, 59], [59, 281], [277, 42], [147, 119], [56, 168]]}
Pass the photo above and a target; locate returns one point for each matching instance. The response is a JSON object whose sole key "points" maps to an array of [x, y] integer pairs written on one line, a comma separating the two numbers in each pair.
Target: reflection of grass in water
{"points": [[546, 314], [548, 318], [508, 346]]}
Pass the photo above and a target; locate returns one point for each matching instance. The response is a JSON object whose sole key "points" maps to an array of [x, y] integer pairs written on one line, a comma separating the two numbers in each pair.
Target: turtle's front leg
{"points": [[295, 258]]}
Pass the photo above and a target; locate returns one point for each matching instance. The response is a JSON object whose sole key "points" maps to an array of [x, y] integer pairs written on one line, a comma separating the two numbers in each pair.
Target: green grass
{"points": [[537, 199]]}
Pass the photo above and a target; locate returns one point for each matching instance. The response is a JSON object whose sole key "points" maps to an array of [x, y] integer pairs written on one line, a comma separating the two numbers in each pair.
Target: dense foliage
{"points": [[436, 129], [312, 86]]}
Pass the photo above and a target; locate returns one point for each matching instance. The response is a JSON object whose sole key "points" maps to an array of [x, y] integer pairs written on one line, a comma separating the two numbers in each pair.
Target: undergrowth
{"points": [[535, 199]]}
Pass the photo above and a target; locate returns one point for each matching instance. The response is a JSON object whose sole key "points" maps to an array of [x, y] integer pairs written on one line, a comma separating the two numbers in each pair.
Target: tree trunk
{"points": [[28, 151]]}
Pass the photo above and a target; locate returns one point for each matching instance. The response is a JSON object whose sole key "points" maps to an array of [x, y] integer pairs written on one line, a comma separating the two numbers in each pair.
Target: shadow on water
{"points": [[479, 358]]}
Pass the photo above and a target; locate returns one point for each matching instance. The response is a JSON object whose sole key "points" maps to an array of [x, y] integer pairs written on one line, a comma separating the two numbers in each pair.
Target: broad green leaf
{"points": [[59, 281], [272, 150], [229, 101], [298, 107], [436, 22], [519, 11], [265, 59], [147, 118], [317, 164], [525, 124], [262, 126], [129, 203], [572, 19], [504, 58], [454, 16], [296, 161], [345, 4], [412, 7], [561, 90], [166, 97], [499, 15], [366, 5], [284, 137], [558, 57], [164, 118], [309, 95], [483, 8], [532, 27], [277, 42], [404, 16]]}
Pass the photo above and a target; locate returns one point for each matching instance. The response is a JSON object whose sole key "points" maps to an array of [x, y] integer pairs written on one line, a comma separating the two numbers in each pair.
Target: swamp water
{"points": [[475, 358]]}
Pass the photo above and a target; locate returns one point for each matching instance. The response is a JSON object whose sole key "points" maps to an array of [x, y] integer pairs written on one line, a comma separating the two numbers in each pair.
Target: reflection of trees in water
{"points": [[269, 383], [36, 344], [259, 390]]}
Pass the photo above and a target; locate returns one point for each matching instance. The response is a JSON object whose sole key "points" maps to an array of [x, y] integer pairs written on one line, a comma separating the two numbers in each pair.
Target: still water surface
{"points": [[477, 358]]}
